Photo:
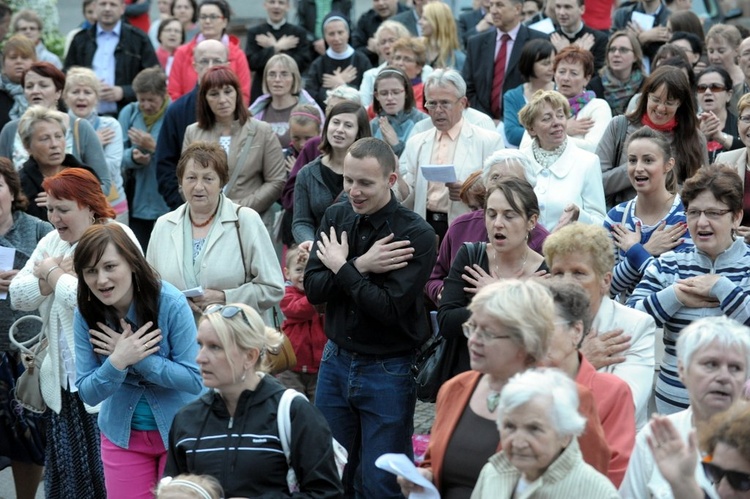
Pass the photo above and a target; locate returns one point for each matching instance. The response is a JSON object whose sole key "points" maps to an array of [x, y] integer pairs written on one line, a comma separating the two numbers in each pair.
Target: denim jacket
{"points": [[169, 379]]}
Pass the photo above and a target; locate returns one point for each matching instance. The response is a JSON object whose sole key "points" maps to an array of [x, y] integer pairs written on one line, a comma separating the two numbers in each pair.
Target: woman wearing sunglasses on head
{"points": [[231, 432], [135, 351]]}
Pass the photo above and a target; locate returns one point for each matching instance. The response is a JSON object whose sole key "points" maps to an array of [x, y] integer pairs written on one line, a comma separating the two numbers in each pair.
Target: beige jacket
{"points": [[261, 175]]}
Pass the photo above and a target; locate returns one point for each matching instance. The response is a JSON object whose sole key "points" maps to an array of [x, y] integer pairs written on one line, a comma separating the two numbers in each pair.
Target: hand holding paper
{"points": [[400, 465]]}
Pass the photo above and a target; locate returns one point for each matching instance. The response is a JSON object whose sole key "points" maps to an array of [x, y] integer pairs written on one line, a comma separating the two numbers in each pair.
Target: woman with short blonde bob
{"points": [[234, 342], [539, 424], [569, 183]]}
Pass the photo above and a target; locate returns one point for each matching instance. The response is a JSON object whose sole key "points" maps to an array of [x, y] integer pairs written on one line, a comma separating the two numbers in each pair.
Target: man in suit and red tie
{"points": [[491, 66]]}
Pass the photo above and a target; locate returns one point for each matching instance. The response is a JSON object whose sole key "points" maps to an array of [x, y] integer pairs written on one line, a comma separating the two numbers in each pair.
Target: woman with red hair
{"points": [[256, 163], [47, 282]]}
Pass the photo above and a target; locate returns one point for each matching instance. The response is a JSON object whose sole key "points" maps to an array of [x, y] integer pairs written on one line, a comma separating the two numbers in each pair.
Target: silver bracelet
{"points": [[54, 267]]}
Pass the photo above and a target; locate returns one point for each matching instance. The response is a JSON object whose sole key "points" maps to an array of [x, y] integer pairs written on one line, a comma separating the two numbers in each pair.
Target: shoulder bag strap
{"points": [[239, 238], [621, 137], [77, 137], [284, 422]]}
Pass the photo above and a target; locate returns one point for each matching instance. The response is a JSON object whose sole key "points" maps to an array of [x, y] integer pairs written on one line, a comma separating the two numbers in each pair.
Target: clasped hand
{"points": [[127, 348]]}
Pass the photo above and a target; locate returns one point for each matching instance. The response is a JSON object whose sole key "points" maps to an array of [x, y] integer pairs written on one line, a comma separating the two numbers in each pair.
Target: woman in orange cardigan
{"points": [[508, 331]]}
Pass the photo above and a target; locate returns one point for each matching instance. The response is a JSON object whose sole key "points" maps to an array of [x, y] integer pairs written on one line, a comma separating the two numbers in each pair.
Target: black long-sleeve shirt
{"points": [[374, 314]]}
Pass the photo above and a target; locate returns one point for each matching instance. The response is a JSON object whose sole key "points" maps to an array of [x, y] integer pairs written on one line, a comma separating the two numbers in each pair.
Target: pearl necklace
{"points": [[519, 272]]}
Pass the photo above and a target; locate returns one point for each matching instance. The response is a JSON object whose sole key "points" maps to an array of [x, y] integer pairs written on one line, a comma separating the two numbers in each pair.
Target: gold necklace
{"points": [[519, 272]]}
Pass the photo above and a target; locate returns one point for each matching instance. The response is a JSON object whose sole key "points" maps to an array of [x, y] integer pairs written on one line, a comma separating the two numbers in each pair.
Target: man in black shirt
{"points": [[370, 265]]}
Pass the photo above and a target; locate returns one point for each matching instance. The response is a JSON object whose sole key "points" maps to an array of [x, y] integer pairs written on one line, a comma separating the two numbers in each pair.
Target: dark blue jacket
{"points": [[180, 114]]}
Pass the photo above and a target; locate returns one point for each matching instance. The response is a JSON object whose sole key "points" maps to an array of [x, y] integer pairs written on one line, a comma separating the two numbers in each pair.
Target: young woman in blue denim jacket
{"points": [[135, 346]]}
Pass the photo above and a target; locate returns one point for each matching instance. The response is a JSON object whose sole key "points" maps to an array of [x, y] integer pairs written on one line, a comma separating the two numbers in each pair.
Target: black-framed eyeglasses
{"points": [[227, 311], [737, 480]]}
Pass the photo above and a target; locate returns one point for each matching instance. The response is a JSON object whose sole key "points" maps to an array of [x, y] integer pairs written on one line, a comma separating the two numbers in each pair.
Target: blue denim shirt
{"points": [[169, 379]]}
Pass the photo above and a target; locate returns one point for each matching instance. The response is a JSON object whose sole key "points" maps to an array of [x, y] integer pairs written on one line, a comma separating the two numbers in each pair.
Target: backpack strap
{"points": [[284, 422]]}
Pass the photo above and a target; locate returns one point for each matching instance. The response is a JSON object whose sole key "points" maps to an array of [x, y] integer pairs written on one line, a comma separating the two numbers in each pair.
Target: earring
{"points": [[93, 219], [88, 297], [244, 375]]}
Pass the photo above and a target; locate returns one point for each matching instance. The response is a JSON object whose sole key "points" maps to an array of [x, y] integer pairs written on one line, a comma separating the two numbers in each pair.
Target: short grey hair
{"points": [[445, 77], [34, 115], [506, 156], [344, 92], [549, 384], [524, 308], [702, 332]]}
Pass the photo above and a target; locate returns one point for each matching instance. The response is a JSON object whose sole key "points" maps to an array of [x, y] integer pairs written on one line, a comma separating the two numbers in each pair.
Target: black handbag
{"points": [[433, 365]]}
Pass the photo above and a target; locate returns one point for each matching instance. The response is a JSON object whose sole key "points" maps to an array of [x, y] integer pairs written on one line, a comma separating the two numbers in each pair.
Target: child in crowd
{"points": [[303, 325], [189, 486], [304, 124]]}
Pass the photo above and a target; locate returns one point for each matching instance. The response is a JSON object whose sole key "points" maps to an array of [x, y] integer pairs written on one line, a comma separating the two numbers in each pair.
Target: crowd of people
{"points": [[560, 191]]}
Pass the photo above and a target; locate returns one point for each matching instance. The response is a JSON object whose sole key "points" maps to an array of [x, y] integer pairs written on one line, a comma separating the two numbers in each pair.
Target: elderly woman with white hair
{"points": [[508, 332], [470, 227], [539, 424], [713, 355]]}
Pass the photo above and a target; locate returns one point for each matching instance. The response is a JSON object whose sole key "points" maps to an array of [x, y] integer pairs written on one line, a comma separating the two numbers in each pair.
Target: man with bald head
{"points": [[179, 115]]}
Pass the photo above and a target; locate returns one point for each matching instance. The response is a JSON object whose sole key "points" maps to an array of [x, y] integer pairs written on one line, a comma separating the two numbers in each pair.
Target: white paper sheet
{"points": [[193, 292], [7, 256], [399, 464], [439, 173], [645, 21], [546, 26]]}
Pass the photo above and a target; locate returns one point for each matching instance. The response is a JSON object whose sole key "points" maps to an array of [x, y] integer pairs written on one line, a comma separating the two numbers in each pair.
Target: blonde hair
{"points": [[743, 103], [34, 115], [727, 32], [578, 238], [188, 485], [530, 112], [244, 331], [444, 33], [84, 77], [524, 308]]}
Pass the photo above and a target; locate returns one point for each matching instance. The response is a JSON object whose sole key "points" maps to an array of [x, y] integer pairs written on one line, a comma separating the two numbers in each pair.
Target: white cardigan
{"points": [[222, 261], [575, 177], [638, 369], [56, 311]]}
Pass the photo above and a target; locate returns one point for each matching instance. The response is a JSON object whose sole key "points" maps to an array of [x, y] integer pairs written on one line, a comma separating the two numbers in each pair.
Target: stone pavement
{"points": [[424, 415]]}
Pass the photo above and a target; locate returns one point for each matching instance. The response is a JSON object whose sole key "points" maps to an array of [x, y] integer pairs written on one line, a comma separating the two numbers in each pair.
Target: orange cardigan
{"points": [[614, 404], [453, 398]]}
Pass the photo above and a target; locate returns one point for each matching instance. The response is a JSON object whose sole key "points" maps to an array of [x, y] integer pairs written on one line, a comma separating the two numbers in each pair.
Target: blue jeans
{"points": [[369, 403]]}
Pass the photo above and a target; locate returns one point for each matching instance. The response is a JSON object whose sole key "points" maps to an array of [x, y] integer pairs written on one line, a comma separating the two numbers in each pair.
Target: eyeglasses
{"points": [[386, 93], [671, 103], [713, 87], [469, 328], [272, 75], [619, 50], [740, 482], [211, 62], [445, 105], [227, 311], [210, 17], [710, 214], [404, 58]]}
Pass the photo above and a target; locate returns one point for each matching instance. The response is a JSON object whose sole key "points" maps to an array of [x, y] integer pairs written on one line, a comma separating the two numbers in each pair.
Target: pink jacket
{"points": [[183, 78]]}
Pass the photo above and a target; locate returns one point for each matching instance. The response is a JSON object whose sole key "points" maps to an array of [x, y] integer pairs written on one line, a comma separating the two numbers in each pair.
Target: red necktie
{"points": [[499, 76]]}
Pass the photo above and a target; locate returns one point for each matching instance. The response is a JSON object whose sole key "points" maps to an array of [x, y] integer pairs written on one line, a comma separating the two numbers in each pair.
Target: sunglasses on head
{"points": [[737, 480], [226, 311]]}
